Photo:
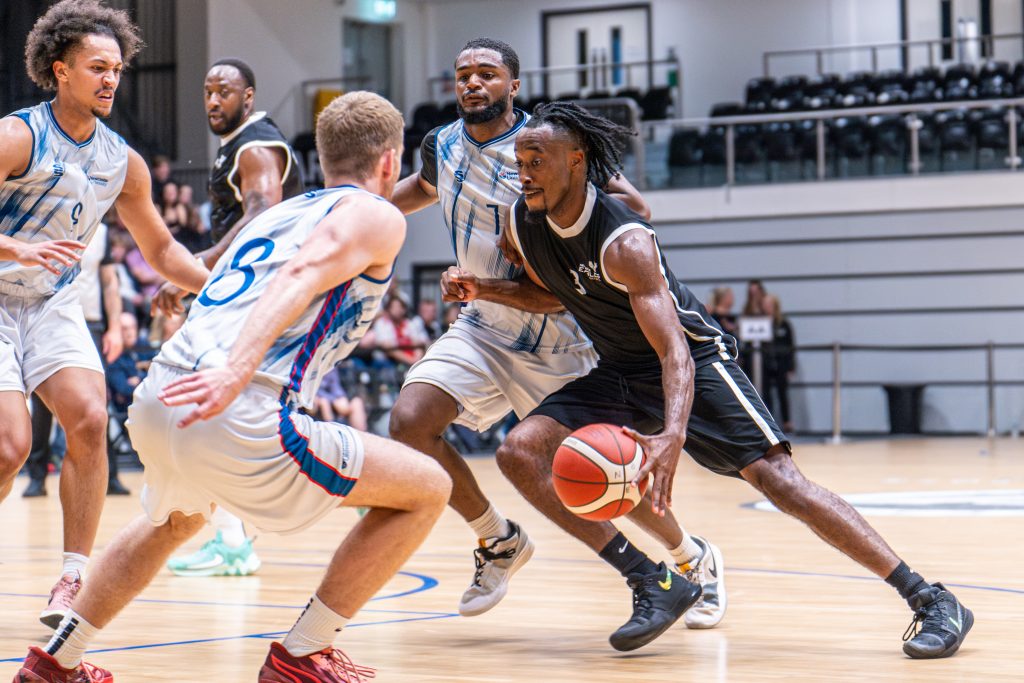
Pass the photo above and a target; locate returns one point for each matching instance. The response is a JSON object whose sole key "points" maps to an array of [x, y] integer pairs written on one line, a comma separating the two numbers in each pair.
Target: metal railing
{"points": [[836, 382], [820, 116], [904, 46], [534, 81]]}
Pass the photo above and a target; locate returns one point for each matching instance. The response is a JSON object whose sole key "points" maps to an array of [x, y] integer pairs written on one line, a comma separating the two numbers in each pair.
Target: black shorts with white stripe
{"points": [[729, 425]]}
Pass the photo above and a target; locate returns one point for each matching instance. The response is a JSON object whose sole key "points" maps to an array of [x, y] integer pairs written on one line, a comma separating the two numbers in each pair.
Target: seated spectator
{"points": [[332, 403], [161, 173], [171, 209], [396, 336], [130, 368], [779, 362], [426, 323], [193, 233], [146, 279], [720, 308], [451, 314]]}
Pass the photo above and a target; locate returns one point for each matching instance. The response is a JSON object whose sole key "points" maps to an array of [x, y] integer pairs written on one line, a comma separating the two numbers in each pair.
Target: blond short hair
{"points": [[354, 130]]}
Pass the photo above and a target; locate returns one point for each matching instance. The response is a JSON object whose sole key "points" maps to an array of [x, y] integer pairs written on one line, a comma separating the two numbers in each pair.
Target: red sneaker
{"points": [[39, 667], [61, 598], [329, 666]]}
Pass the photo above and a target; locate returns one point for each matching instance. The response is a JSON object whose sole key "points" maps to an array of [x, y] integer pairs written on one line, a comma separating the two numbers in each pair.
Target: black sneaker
{"points": [[940, 624], [659, 599]]}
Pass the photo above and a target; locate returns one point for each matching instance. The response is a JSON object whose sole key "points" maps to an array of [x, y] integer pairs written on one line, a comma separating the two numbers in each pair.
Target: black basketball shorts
{"points": [[729, 425]]}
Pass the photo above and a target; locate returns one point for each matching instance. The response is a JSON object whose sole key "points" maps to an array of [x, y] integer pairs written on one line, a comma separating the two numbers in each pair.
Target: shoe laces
{"points": [[641, 593], [484, 555], [930, 618], [346, 668]]}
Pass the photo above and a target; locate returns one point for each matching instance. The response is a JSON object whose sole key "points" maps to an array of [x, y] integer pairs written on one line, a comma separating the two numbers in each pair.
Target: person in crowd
{"points": [[130, 368], [755, 297], [161, 169], [779, 362], [426, 322], [171, 209], [193, 233], [451, 314], [720, 308], [395, 334], [333, 403]]}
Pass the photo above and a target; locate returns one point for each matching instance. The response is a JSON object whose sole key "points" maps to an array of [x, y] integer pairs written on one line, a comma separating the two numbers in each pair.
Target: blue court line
{"points": [[273, 634]]}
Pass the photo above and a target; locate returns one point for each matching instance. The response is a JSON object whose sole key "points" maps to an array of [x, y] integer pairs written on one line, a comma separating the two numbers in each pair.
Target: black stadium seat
{"points": [[994, 80], [759, 94], [685, 157], [655, 103], [992, 138], [956, 140], [887, 135]]}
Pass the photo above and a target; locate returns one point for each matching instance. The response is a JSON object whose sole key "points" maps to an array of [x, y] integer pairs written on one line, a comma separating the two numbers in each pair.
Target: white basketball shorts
{"points": [[39, 336], [280, 470], [487, 379]]}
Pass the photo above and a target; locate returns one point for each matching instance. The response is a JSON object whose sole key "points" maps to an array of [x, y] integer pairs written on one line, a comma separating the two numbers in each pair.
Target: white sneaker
{"points": [[709, 572], [495, 564]]}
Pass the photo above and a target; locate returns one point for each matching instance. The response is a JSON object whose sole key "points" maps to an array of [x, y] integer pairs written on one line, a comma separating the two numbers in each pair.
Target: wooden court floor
{"points": [[798, 610]]}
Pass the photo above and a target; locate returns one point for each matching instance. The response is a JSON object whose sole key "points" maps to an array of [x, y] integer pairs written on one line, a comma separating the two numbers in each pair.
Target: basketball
{"points": [[592, 470]]}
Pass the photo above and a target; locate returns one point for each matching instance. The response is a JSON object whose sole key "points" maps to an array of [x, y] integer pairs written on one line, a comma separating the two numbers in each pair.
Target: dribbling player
{"points": [[217, 420], [663, 369], [62, 168], [495, 358]]}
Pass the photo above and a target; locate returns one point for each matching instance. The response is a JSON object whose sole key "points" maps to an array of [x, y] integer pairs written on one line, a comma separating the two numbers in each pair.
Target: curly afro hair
{"points": [[59, 31]]}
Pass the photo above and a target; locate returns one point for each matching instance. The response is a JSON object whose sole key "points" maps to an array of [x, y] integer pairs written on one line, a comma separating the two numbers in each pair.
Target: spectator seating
{"points": [[855, 145]]}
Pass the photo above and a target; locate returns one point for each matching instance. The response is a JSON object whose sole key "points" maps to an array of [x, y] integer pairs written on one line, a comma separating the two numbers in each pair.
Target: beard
{"points": [[485, 115], [228, 123]]}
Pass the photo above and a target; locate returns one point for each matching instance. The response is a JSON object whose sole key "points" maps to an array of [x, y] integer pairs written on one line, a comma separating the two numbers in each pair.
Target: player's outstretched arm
{"points": [[623, 190], [413, 193], [633, 261], [360, 235], [167, 256], [458, 284], [15, 156]]}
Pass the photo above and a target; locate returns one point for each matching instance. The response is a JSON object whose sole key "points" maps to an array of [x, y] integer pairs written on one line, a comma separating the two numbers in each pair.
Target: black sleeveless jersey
{"points": [[570, 263], [224, 186]]}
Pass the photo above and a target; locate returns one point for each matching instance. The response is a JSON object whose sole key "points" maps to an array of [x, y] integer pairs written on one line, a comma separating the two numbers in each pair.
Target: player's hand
{"points": [[662, 451], [510, 253], [458, 284], [212, 390], [45, 254], [168, 300], [113, 344]]}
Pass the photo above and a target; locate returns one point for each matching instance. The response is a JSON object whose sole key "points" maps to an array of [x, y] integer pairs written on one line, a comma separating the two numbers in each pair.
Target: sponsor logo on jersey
{"points": [[58, 169], [220, 161], [102, 182], [460, 176], [508, 174], [590, 270]]}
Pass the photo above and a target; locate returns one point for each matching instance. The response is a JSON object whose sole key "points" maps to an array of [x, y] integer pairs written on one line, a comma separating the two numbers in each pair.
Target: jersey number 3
{"points": [[248, 274], [576, 279]]}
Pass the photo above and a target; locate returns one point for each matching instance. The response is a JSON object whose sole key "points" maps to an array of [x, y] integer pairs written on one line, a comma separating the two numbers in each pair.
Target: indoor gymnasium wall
{"points": [[720, 43]]}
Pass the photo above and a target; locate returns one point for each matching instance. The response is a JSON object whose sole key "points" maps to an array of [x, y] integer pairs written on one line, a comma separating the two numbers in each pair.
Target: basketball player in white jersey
{"points": [[217, 420], [496, 358], [61, 169]]}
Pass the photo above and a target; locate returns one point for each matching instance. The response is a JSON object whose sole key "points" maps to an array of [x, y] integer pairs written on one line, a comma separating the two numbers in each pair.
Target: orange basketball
{"points": [[592, 470]]}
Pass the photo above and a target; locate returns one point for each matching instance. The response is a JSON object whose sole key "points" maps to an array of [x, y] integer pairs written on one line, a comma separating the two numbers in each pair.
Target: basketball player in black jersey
{"points": [[665, 369], [254, 169]]}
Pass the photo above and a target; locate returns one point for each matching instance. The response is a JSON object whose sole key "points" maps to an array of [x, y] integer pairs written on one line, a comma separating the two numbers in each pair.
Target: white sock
{"points": [[491, 524], [686, 553], [315, 630], [70, 640], [74, 565], [231, 529]]}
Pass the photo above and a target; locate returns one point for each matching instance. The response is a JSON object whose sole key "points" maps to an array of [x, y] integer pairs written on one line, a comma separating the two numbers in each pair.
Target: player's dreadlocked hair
{"points": [[64, 25], [600, 139]]}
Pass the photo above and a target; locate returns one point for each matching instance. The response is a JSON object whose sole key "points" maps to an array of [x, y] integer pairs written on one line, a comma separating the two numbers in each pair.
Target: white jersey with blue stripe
{"points": [[62, 195], [323, 335], [477, 185]]}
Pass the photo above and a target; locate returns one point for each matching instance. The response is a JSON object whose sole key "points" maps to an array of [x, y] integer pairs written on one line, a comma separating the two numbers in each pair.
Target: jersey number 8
{"points": [[249, 275]]}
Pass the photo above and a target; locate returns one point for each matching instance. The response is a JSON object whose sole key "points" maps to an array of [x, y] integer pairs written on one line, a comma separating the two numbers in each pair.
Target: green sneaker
{"points": [[217, 559]]}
